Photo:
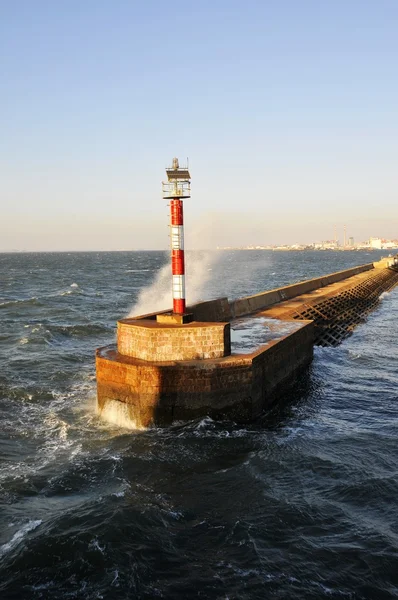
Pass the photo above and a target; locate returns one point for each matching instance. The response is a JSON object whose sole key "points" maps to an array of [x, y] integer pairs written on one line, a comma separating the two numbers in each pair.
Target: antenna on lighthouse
{"points": [[176, 188]]}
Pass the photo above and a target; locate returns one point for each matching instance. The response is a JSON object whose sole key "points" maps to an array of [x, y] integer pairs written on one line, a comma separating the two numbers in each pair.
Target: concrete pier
{"points": [[162, 371]]}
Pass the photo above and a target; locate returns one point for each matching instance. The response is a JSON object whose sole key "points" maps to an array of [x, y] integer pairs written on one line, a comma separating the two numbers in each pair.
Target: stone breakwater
{"points": [[163, 371]]}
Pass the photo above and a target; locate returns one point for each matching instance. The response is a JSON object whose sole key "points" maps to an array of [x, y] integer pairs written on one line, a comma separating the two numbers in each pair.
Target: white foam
{"points": [[18, 536], [116, 577], [96, 546], [248, 334], [118, 413]]}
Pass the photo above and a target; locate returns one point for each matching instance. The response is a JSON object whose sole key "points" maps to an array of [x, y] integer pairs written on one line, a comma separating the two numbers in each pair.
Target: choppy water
{"points": [[301, 505]]}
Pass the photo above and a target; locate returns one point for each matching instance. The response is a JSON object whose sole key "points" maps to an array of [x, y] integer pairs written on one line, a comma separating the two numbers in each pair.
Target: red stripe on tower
{"points": [[177, 212], [177, 262]]}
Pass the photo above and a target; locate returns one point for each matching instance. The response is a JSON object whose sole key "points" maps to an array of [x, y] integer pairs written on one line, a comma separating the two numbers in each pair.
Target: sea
{"points": [[301, 504]]}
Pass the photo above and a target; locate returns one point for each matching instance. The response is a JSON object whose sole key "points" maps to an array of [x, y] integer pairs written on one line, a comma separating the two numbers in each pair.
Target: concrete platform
{"points": [[237, 387]]}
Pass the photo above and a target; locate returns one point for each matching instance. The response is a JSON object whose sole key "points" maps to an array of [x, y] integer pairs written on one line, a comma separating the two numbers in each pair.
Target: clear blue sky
{"points": [[287, 111]]}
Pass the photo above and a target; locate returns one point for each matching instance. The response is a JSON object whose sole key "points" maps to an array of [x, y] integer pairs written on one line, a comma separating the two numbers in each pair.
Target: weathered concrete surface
{"points": [[237, 387], [171, 318]]}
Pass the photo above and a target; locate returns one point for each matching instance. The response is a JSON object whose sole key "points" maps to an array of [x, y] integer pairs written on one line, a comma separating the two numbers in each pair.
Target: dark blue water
{"points": [[300, 505]]}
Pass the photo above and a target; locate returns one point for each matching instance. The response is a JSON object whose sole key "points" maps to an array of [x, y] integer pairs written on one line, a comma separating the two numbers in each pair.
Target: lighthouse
{"points": [[176, 189]]}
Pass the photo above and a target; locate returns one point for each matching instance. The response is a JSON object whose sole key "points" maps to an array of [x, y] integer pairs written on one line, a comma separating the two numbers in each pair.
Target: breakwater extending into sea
{"points": [[301, 507]]}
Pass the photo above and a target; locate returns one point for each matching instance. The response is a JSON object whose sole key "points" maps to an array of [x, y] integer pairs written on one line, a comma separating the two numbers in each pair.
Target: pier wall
{"points": [[160, 372], [339, 307], [221, 309], [251, 304], [237, 387]]}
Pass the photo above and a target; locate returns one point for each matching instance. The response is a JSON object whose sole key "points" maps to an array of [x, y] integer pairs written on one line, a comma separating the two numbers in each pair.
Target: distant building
{"points": [[389, 245], [351, 241], [375, 243]]}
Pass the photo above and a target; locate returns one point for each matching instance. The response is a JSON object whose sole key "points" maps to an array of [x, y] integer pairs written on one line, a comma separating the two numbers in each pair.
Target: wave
{"points": [[79, 330], [51, 334], [19, 536], [17, 301]]}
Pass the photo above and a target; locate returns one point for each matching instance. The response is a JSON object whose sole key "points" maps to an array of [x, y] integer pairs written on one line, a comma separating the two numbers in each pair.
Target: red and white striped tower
{"points": [[177, 187]]}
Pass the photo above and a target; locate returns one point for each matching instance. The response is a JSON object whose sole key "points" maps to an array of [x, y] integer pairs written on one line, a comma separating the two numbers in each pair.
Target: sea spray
{"points": [[158, 297], [119, 413]]}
